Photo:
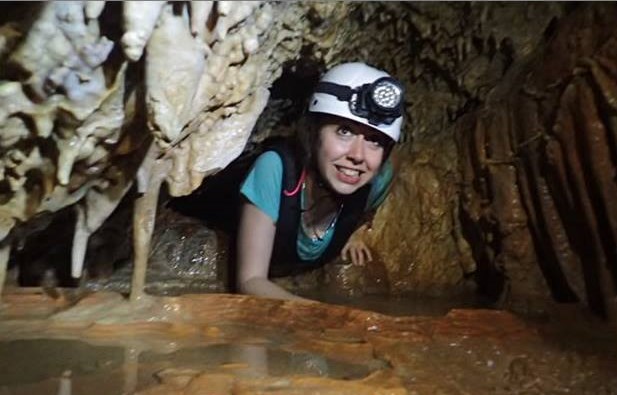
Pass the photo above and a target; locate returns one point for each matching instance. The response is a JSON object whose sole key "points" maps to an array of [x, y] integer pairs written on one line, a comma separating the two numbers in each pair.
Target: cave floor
{"points": [[100, 343]]}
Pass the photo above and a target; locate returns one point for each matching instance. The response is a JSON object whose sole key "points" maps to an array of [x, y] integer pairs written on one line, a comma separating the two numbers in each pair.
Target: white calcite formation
{"points": [[80, 121], [64, 105]]}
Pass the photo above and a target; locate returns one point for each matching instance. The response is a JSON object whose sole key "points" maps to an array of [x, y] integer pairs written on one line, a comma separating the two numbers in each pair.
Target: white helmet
{"points": [[361, 93]]}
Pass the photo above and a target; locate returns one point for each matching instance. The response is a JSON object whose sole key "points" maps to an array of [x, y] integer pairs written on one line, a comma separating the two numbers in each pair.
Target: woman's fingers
{"points": [[369, 256], [356, 256], [357, 252], [345, 251]]}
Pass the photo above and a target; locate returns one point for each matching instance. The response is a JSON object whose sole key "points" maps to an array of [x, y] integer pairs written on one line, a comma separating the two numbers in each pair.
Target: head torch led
{"points": [[380, 102]]}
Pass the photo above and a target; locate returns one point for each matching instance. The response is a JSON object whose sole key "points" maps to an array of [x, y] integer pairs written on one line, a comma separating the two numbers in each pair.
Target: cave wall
{"points": [[450, 56], [538, 167], [508, 148]]}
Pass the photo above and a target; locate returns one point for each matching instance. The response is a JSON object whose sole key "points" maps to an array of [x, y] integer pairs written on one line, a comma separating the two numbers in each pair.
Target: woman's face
{"points": [[349, 155]]}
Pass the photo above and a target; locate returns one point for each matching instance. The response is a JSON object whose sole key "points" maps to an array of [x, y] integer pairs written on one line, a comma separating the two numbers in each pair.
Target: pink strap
{"points": [[297, 188]]}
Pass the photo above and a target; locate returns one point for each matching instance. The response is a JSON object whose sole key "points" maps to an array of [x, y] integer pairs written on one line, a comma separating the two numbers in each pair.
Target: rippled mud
{"points": [[231, 344]]}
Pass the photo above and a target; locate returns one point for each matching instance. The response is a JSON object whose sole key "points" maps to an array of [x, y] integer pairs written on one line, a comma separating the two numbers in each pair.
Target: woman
{"points": [[302, 205]]}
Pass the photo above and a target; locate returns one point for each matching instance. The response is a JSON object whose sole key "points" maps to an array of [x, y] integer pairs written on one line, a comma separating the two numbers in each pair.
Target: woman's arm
{"points": [[254, 250]]}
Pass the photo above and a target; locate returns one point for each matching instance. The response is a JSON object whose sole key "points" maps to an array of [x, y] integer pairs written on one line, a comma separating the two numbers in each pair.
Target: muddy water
{"points": [[398, 305], [50, 366], [224, 344]]}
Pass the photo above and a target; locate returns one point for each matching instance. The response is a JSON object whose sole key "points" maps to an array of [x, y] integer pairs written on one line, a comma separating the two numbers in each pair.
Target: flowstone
{"points": [[301, 347]]}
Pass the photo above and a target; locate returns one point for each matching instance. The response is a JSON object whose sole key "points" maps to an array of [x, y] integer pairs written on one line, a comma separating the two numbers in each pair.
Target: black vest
{"points": [[285, 260]]}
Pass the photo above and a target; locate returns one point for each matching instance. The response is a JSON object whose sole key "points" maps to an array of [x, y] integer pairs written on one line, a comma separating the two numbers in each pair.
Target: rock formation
{"points": [[506, 173]]}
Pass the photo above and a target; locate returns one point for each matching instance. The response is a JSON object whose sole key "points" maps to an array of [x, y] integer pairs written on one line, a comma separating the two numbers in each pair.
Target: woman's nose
{"points": [[356, 149]]}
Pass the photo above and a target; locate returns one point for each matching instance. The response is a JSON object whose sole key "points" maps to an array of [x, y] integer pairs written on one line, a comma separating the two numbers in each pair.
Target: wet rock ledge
{"points": [[465, 351]]}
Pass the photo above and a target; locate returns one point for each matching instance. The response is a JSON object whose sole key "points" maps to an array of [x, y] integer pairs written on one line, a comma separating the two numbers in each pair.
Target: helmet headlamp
{"points": [[380, 102]]}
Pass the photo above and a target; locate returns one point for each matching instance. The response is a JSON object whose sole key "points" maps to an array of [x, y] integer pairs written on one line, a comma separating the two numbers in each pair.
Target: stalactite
{"points": [[501, 174], [563, 136], [72, 122], [476, 227], [153, 172], [92, 211], [5, 252], [139, 20], [200, 12], [602, 191], [596, 137], [176, 61], [201, 112], [568, 279], [512, 243], [587, 229], [80, 242]]}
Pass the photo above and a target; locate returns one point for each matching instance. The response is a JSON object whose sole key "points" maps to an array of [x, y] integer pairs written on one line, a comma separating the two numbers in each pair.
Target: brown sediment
{"points": [[465, 351]]}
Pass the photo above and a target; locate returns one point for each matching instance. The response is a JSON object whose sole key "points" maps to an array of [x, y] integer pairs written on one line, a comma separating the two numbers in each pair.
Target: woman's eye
{"points": [[344, 132], [376, 144]]}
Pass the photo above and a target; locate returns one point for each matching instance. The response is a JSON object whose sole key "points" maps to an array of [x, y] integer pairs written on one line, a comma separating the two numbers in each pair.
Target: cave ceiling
{"points": [[101, 98]]}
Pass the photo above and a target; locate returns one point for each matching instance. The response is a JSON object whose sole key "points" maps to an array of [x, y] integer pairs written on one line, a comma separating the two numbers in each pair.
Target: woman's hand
{"points": [[356, 250]]}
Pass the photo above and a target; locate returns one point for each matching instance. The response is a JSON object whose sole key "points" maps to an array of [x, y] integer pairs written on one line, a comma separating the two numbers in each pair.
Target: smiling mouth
{"points": [[349, 172]]}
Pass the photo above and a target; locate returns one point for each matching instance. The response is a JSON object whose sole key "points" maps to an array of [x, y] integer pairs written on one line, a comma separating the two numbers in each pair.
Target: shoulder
{"points": [[380, 185], [384, 176], [269, 160], [262, 185]]}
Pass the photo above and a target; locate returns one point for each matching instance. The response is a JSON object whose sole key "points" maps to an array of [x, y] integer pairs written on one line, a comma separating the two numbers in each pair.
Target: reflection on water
{"points": [[28, 361], [399, 305], [255, 360], [69, 367], [258, 344]]}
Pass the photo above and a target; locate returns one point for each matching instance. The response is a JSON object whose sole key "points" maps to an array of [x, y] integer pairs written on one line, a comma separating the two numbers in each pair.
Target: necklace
{"points": [[313, 231]]}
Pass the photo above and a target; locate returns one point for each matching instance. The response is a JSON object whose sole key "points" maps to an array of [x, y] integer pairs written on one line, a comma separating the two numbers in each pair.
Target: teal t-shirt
{"points": [[262, 187]]}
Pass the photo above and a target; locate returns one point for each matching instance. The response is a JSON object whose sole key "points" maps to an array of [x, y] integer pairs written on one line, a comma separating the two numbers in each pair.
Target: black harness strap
{"points": [[284, 249], [285, 260]]}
